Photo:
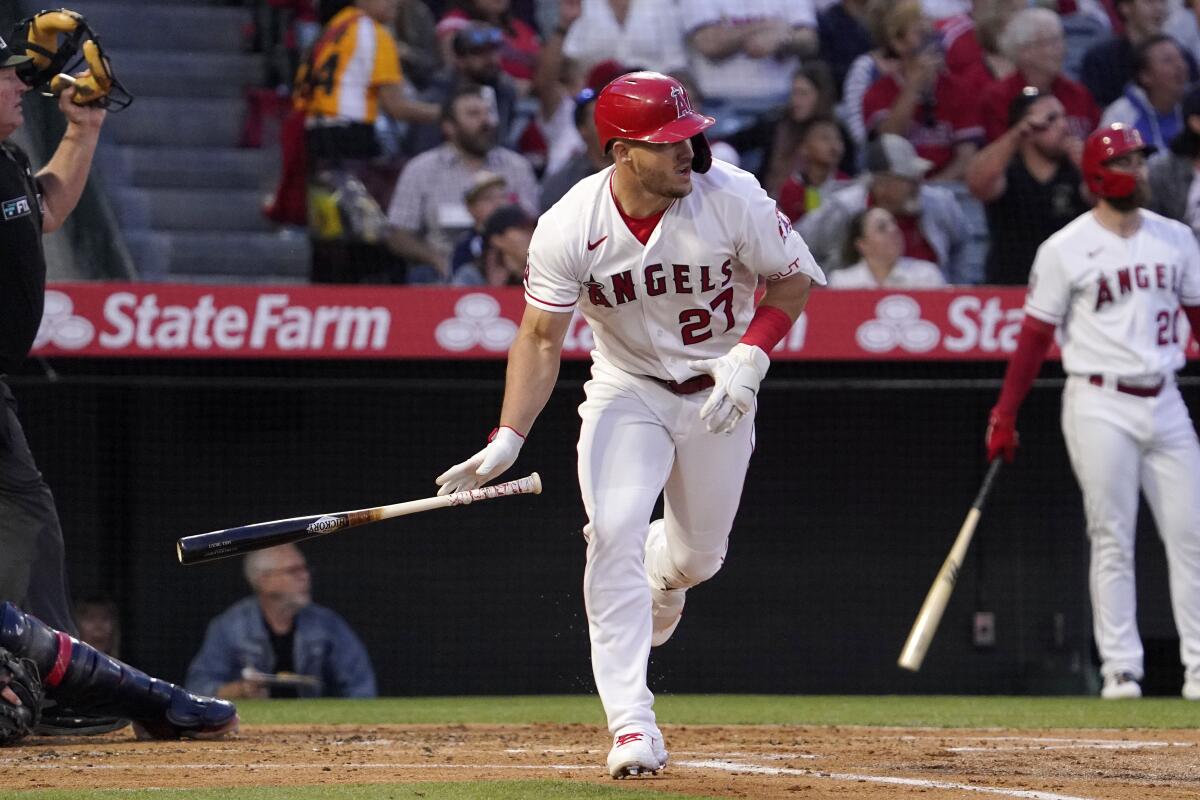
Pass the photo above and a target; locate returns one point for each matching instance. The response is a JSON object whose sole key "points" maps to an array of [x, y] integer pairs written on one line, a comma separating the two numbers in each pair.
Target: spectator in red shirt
{"points": [[1034, 41], [815, 171], [972, 42], [927, 105], [521, 44]]}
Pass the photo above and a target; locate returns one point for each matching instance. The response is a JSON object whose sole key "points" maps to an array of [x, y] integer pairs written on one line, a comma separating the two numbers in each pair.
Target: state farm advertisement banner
{"points": [[190, 321]]}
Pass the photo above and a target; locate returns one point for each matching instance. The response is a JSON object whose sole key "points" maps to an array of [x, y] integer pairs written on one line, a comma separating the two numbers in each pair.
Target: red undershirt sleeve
{"points": [[1033, 343], [1193, 315]]}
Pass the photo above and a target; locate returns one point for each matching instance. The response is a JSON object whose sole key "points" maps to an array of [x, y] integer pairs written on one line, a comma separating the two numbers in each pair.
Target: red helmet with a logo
{"points": [[1103, 146], [651, 107]]}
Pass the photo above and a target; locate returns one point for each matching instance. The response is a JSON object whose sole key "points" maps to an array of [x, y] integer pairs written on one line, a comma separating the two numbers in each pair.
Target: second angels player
{"points": [[1116, 284], [661, 253]]}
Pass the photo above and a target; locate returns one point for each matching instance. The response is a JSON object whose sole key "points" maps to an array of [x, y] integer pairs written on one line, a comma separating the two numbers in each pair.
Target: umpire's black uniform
{"points": [[32, 573]]}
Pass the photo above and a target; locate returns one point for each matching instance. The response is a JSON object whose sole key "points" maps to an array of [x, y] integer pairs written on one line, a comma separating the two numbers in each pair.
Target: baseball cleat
{"points": [[190, 716], [1191, 689], [636, 753], [1122, 686]]}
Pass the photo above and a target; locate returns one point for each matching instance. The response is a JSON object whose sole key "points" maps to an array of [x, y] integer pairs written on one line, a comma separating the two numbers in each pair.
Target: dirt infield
{"points": [[709, 761]]}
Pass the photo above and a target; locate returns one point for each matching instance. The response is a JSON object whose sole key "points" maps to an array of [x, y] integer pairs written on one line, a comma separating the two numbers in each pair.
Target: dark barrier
{"points": [[861, 478]]}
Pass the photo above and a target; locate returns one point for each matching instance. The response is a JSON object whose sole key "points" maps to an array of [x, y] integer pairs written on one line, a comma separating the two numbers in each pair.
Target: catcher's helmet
{"points": [[651, 107], [1103, 146], [59, 43]]}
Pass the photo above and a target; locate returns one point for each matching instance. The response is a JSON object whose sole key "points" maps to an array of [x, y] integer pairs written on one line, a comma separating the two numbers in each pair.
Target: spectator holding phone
{"points": [[925, 104]]}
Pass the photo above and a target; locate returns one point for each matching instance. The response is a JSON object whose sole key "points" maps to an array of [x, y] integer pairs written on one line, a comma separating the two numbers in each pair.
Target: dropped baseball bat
{"points": [[234, 541], [921, 635]]}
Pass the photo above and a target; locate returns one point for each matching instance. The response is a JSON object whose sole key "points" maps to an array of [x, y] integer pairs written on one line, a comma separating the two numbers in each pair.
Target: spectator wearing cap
{"points": [[643, 32], [474, 60], [488, 192], [1174, 190], [1033, 40], [519, 45], [927, 105], [427, 213], [929, 217], [506, 236], [589, 161], [1151, 101], [816, 172], [1029, 182], [1109, 65], [744, 54], [874, 249]]}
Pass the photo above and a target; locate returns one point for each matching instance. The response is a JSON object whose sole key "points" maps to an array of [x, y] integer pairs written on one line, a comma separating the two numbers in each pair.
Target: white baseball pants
{"points": [[638, 438], [1119, 443]]}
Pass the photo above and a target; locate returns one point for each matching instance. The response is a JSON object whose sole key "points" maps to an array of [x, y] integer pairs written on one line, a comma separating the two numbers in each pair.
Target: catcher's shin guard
{"points": [[79, 675]]}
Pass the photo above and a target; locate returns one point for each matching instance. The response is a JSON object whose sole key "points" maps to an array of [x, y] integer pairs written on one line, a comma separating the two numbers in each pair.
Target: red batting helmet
{"points": [[1103, 146], [651, 107]]}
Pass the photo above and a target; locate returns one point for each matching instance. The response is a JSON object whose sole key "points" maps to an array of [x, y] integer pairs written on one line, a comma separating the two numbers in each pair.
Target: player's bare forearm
{"points": [[533, 363], [789, 295]]}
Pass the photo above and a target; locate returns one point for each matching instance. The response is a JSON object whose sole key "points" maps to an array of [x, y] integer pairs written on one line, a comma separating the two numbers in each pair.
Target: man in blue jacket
{"points": [[278, 643]]}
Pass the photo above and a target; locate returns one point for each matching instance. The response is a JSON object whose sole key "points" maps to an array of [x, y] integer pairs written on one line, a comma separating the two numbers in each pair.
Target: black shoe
{"points": [[58, 721]]}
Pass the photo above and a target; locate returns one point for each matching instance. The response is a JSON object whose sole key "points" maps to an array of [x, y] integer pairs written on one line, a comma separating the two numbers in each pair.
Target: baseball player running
{"points": [[1115, 282], [661, 253]]}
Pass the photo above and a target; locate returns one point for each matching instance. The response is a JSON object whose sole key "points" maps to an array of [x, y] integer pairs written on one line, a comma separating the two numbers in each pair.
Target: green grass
{"points": [[492, 790], [914, 711]]}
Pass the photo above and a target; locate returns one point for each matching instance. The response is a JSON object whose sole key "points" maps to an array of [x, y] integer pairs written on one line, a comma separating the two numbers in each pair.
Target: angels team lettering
{"points": [[658, 279], [1142, 276]]}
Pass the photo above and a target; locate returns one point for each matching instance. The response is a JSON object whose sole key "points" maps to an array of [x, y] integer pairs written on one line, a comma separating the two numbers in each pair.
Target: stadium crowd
{"points": [[427, 135]]}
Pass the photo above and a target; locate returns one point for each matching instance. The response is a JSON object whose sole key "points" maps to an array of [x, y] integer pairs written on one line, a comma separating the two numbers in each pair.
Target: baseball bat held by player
{"points": [[242, 539]]}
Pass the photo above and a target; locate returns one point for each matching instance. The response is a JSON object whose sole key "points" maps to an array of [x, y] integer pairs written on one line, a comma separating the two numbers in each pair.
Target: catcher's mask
{"points": [[61, 43]]}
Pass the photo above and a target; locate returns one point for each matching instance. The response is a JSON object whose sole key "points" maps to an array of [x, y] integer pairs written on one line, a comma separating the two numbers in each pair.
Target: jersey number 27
{"points": [[695, 322]]}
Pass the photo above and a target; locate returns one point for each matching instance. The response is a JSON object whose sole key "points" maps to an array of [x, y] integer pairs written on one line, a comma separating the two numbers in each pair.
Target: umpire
{"points": [[32, 572]]}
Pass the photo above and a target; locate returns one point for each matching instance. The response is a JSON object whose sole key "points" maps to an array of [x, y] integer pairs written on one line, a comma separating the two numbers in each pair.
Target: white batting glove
{"points": [[738, 374], [502, 450]]}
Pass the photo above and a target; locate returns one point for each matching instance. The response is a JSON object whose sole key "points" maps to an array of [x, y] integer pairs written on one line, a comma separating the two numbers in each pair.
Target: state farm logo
{"points": [[898, 323], [61, 327], [476, 323]]}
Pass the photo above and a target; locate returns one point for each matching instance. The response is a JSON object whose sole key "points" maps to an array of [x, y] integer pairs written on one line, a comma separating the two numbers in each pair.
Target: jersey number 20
{"points": [[1168, 327]]}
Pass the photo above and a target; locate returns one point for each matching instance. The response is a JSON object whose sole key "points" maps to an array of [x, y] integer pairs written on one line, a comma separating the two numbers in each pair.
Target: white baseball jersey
{"points": [[688, 293], [1117, 300]]}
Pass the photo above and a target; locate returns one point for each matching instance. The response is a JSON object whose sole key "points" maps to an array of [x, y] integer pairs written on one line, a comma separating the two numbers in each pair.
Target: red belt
{"points": [[691, 385], [1136, 391]]}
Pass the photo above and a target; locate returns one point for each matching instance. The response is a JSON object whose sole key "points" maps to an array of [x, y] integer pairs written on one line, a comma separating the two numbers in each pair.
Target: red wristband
{"points": [[492, 435], [767, 329]]}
